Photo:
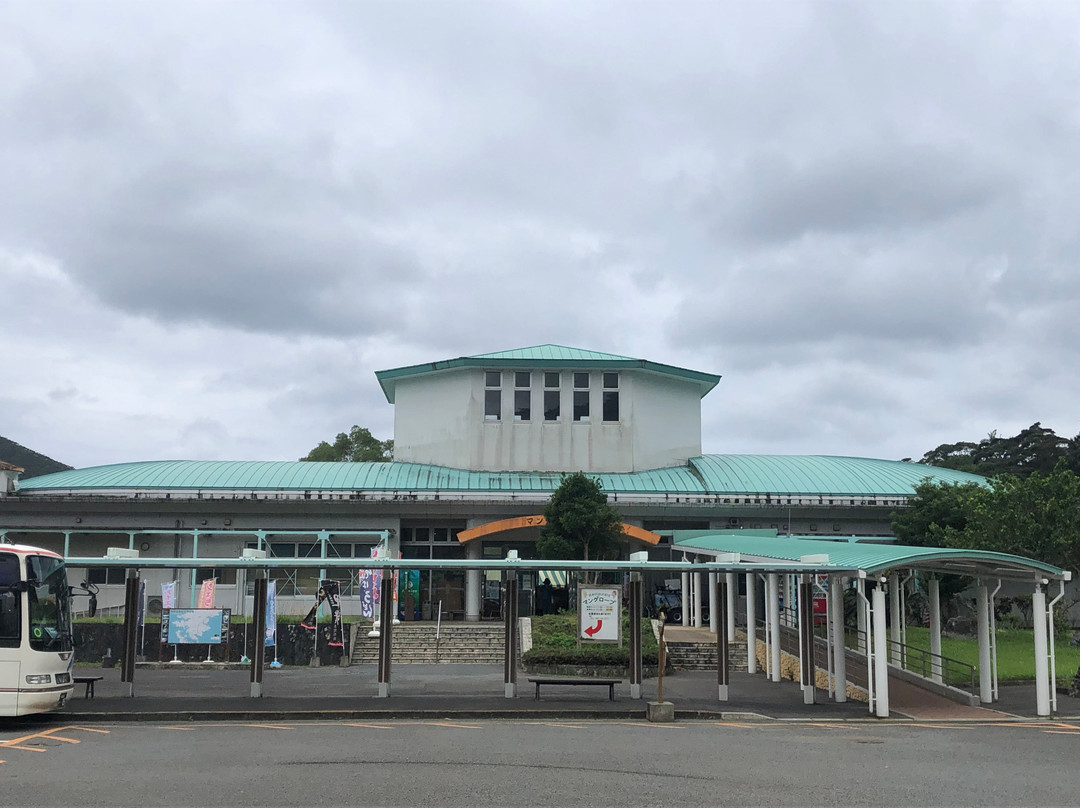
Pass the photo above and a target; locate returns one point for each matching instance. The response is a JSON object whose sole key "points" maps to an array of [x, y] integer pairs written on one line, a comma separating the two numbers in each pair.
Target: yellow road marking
{"points": [[936, 726], [1011, 724], [449, 724], [27, 748], [268, 726], [184, 729], [1061, 732], [91, 729], [650, 724], [65, 740], [15, 742], [735, 724], [369, 726], [553, 724]]}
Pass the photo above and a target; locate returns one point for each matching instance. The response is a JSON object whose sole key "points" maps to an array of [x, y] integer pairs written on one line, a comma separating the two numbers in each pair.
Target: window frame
{"points": [[493, 394]]}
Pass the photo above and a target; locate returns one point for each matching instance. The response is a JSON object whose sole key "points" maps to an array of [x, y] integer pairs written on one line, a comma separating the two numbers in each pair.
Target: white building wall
{"points": [[439, 419], [667, 421]]}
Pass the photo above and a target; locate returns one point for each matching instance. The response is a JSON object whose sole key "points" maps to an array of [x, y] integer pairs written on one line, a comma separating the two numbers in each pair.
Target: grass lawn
{"points": [[1016, 652]]}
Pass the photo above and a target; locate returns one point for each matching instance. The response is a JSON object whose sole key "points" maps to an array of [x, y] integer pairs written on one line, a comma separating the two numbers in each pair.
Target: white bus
{"points": [[36, 651]]}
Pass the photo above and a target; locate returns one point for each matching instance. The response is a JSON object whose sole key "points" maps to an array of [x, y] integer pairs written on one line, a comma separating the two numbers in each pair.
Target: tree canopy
{"points": [[1035, 449], [580, 522], [1037, 516], [357, 445]]}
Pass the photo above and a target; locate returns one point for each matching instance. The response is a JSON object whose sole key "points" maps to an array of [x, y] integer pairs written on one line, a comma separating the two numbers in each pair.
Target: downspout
{"points": [[1053, 655], [993, 640]]}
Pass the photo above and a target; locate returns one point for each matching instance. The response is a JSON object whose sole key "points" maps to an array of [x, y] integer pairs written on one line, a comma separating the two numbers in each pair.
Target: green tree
{"points": [[1037, 516], [938, 516], [580, 522], [936, 513], [358, 445]]}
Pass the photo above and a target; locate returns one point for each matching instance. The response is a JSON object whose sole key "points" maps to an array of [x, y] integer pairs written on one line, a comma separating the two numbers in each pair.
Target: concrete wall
{"points": [[439, 419]]}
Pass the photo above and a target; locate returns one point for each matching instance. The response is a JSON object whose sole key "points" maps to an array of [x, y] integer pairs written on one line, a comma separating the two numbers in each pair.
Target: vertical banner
{"points": [[409, 594], [329, 591], [332, 589], [168, 595], [311, 619], [376, 586], [140, 614], [363, 587], [395, 590], [206, 593], [271, 614]]}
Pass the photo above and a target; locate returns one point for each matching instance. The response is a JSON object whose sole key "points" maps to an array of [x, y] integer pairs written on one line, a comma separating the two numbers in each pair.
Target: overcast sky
{"points": [[217, 220]]}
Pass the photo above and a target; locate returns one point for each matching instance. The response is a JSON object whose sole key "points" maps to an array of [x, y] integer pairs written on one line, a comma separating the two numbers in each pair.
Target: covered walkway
{"points": [[882, 574]]}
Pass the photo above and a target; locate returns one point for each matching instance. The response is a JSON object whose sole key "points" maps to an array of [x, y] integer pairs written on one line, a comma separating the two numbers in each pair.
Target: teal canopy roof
{"points": [[873, 559], [544, 356], [707, 476]]}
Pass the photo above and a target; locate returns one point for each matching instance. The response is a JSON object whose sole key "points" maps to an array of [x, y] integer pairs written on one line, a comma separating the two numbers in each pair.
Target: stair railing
{"points": [[438, 628]]}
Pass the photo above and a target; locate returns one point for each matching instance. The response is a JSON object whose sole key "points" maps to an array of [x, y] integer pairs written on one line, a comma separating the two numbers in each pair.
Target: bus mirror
{"points": [[93, 606]]}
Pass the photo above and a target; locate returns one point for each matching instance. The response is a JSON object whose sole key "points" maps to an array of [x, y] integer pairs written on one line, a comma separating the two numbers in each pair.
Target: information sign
{"points": [[195, 626], [599, 614]]}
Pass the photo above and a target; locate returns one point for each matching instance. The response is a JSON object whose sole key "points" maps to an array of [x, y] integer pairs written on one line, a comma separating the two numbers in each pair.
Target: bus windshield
{"points": [[49, 602]]}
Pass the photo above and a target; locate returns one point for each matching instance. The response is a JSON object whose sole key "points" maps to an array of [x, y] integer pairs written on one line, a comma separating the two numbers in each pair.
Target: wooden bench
{"points": [[610, 683], [89, 681]]}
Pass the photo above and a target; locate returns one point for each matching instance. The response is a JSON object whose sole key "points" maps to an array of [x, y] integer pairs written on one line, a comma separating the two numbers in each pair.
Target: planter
{"points": [[586, 671]]}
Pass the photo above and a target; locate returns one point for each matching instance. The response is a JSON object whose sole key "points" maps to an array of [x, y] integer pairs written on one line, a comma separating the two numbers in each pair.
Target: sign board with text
{"points": [[600, 614]]}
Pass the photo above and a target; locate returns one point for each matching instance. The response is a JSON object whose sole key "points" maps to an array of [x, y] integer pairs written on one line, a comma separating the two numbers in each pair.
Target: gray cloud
{"points": [[218, 223]]}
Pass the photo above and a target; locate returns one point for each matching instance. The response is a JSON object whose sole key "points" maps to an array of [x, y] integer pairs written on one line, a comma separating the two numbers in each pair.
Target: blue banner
{"points": [[271, 613], [142, 600]]}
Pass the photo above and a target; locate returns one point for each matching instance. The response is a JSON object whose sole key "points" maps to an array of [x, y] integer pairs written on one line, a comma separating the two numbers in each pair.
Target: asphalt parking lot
{"points": [[457, 762]]}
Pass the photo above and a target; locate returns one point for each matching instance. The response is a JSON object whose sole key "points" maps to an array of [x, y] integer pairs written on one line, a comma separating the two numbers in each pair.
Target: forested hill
{"points": [[34, 463], [1035, 449]]}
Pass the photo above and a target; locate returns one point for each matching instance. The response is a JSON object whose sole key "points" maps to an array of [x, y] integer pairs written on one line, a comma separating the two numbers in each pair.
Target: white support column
{"points": [[894, 620], [934, 596], [685, 597], [1042, 666], [697, 600], [772, 604], [751, 622], [836, 602], [472, 584], [982, 624], [714, 607], [732, 588], [881, 654]]}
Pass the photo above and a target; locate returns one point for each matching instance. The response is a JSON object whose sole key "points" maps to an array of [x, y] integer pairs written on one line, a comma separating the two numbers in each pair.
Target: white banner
{"points": [[168, 595]]}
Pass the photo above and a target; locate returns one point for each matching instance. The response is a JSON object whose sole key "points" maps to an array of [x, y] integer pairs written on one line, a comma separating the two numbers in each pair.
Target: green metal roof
{"points": [[707, 476], [544, 356], [812, 475], [873, 559]]}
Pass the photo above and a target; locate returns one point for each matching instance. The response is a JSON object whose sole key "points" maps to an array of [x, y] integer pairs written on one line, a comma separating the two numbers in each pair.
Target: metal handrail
{"points": [[952, 672]]}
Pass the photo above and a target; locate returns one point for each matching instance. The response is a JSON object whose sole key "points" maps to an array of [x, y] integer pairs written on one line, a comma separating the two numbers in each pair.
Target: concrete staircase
{"points": [[414, 643], [692, 650]]}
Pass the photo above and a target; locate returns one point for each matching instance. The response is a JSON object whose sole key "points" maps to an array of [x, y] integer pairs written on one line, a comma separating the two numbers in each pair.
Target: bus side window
{"points": [[10, 598]]}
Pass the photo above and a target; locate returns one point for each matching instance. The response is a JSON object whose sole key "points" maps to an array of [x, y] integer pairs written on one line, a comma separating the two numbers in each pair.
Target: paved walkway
{"points": [[191, 693]]}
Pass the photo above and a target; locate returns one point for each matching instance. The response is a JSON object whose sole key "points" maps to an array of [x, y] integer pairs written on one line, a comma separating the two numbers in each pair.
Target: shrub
{"points": [[555, 643]]}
